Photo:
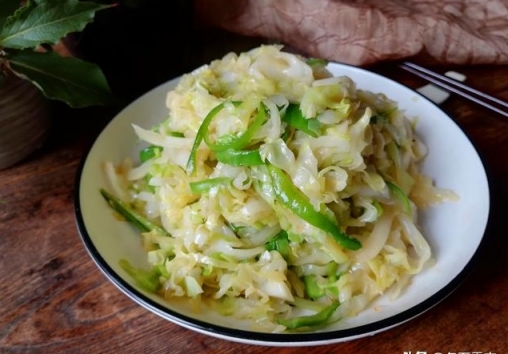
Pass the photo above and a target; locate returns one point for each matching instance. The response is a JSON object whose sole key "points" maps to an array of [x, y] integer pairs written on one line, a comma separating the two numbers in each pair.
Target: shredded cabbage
{"points": [[360, 170]]}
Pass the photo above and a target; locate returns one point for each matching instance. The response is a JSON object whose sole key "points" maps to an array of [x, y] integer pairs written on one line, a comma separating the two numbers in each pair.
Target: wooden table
{"points": [[55, 300]]}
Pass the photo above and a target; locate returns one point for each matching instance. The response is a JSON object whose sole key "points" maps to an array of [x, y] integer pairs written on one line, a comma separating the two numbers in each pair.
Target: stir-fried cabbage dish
{"points": [[276, 192]]}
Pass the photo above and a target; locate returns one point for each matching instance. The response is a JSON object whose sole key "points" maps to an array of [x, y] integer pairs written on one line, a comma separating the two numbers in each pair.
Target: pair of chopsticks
{"points": [[454, 86]]}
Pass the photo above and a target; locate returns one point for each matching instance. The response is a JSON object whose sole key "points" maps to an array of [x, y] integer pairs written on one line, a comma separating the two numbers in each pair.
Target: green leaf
{"points": [[71, 80], [7, 8], [46, 22]]}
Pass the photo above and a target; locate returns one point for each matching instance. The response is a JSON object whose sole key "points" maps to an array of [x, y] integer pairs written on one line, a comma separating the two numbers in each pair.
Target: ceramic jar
{"points": [[24, 120]]}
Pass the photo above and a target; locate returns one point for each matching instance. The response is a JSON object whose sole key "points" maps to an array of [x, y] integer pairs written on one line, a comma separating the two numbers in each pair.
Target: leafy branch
{"points": [[26, 36]]}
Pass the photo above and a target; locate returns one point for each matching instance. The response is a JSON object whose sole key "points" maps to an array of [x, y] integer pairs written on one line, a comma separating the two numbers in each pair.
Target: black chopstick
{"points": [[456, 87]]}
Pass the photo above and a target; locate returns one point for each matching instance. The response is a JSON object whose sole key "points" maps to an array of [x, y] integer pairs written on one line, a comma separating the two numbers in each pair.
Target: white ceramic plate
{"points": [[453, 229]]}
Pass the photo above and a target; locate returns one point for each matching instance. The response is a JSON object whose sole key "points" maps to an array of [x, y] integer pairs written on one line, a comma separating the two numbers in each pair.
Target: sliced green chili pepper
{"points": [[295, 119], [239, 157], [203, 129], [204, 186], [149, 153], [226, 142], [400, 195], [332, 271], [147, 179], [143, 224], [312, 288], [294, 199], [280, 243], [320, 318], [332, 278], [241, 141], [146, 279]]}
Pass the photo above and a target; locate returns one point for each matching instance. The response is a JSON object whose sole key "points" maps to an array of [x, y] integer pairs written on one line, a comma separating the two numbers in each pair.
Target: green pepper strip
{"points": [[332, 271], [401, 195], [313, 290], [294, 199], [143, 224], [149, 152], [317, 319], [332, 278], [295, 119], [239, 157], [205, 185], [280, 243], [191, 162], [241, 141]]}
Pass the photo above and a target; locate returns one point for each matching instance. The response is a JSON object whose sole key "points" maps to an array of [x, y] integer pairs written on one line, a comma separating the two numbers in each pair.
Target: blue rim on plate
{"points": [[273, 339]]}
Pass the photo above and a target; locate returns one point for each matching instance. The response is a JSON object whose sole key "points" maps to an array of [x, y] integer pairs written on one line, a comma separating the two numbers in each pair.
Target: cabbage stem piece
{"points": [[294, 199], [146, 279], [140, 222]]}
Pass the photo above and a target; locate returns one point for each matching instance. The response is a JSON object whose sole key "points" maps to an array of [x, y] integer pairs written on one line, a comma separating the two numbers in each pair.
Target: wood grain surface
{"points": [[53, 298]]}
